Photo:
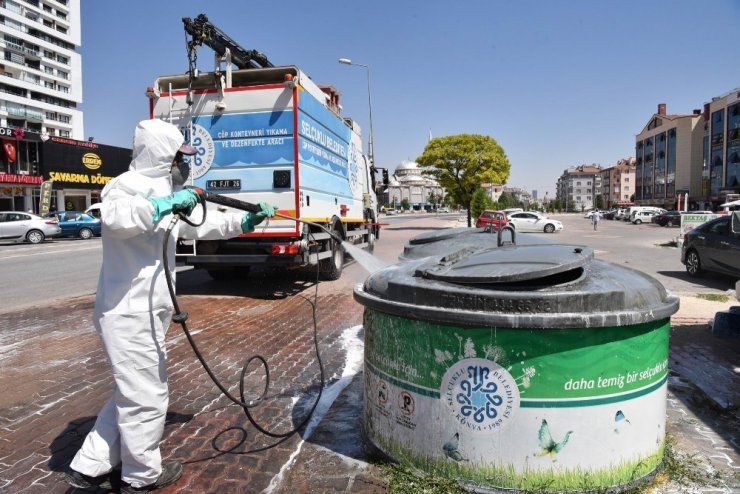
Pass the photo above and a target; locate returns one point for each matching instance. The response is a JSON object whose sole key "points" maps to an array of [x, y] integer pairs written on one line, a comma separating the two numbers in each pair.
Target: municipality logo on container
{"points": [[480, 394]]}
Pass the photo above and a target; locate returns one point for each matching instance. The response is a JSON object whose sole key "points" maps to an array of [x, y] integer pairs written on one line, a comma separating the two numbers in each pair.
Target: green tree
{"points": [[433, 199], [507, 200], [405, 204], [480, 202], [599, 202], [461, 163]]}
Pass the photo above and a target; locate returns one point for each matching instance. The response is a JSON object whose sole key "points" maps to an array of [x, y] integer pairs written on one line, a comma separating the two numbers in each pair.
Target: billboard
{"points": [[81, 164]]}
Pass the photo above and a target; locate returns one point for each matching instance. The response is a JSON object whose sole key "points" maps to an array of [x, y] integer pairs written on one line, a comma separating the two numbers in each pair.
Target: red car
{"points": [[492, 219]]}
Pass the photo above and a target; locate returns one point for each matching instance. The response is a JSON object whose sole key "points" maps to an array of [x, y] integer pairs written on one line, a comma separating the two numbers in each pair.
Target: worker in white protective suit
{"points": [[133, 308]]}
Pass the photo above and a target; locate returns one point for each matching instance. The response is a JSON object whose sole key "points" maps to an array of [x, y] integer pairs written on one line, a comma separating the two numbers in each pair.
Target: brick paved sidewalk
{"points": [[55, 378]]}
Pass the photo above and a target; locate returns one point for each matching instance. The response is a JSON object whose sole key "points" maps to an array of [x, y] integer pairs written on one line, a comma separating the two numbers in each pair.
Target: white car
{"points": [[643, 217], [18, 226], [529, 221], [443, 210]]}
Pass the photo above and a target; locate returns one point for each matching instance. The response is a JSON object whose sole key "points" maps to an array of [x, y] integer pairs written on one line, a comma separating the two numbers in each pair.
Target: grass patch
{"points": [[714, 297], [676, 468]]}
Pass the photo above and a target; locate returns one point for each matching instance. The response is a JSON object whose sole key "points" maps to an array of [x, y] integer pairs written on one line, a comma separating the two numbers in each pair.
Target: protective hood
{"points": [[155, 145]]}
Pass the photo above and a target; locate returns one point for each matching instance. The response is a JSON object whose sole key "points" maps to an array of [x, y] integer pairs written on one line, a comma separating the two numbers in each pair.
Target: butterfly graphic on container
{"points": [[450, 448], [547, 443]]}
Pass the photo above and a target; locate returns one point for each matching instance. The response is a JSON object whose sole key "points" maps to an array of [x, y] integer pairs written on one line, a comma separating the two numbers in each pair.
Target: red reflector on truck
{"points": [[285, 249]]}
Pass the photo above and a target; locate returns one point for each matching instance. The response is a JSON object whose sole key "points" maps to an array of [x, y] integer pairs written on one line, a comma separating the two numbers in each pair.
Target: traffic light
{"points": [[385, 176]]}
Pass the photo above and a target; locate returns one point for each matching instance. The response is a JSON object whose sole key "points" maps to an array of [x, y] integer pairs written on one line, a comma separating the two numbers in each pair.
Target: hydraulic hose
{"points": [[181, 317]]}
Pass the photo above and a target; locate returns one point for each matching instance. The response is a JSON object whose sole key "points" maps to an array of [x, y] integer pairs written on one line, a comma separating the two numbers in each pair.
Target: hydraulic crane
{"points": [[203, 32]]}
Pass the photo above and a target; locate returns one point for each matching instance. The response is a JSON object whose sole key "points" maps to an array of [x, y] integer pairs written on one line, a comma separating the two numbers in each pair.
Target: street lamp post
{"points": [[370, 150]]}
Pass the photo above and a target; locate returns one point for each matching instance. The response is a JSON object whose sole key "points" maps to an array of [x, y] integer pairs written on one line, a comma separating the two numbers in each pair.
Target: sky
{"points": [[557, 83]]}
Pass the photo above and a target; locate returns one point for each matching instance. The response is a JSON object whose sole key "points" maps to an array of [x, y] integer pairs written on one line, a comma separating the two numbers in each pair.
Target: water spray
{"points": [[181, 317]]}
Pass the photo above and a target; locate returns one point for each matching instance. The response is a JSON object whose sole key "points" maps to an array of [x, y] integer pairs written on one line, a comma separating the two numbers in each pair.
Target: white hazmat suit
{"points": [[133, 308]]}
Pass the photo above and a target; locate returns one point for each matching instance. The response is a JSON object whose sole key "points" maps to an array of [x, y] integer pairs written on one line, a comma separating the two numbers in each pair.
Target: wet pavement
{"points": [[55, 378]]}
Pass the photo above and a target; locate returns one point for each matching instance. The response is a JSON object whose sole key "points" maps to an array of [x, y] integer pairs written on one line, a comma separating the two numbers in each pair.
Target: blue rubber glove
{"points": [[181, 201], [250, 220]]}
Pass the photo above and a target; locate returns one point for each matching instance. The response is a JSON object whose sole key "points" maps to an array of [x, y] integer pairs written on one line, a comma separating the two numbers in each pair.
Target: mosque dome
{"points": [[407, 166]]}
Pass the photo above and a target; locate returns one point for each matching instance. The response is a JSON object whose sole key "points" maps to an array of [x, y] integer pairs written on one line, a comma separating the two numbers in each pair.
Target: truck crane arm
{"points": [[203, 32]]}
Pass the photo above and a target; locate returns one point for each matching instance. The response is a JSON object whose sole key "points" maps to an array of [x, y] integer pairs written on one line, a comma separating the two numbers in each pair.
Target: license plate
{"points": [[234, 183]]}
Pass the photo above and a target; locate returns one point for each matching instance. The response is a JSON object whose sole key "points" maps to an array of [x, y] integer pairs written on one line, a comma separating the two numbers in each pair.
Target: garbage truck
{"points": [[268, 133]]}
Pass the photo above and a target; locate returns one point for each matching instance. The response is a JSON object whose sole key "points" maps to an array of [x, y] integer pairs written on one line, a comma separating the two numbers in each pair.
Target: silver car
{"points": [[17, 226]]}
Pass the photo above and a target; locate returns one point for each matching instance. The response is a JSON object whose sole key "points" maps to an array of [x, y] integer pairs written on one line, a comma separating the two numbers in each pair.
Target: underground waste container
{"points": [[532, 367]]}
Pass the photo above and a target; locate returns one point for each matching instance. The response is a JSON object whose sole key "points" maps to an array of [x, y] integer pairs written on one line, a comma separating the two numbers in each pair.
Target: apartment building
{"points": [[618, 183], [40, 89], [579, 186], [668, 163], [720, 162]]}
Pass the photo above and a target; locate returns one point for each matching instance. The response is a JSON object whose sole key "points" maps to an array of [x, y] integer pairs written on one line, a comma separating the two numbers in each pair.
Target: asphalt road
{"points": [[58, 269]]}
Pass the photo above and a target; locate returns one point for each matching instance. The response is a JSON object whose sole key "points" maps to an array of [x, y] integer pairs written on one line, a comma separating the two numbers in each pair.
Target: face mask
{"points": [[180, 173]]}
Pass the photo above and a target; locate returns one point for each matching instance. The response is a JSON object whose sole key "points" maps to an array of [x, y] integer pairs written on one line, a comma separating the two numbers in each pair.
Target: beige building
{"points": [[697, 154], [618, 183], [668, 154]]}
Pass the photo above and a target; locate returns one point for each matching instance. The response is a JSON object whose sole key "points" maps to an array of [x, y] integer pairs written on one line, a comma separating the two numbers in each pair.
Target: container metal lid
{"points": [[509, 264]]}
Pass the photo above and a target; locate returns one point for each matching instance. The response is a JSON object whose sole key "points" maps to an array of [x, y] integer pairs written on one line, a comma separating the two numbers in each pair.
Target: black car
{"points": [[713, 246], [669, 218], [609, 215]]}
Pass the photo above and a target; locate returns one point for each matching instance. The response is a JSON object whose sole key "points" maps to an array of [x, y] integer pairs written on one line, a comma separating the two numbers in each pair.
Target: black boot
{"points": [[88, 483], [171, 472]]}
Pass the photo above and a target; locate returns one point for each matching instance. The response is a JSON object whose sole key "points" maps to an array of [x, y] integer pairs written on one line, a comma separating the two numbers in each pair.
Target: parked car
{"points": [[492, 219], [609, 215], [643, 217], [443, 210], [94, 210], [669, 218], [77, 224], [621, 214], [19, 227], [591, 213], [530, 221], [713, 246]]}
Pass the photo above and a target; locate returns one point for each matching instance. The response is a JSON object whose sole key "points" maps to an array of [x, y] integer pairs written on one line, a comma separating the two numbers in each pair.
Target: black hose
{"points": [[181, 318]]}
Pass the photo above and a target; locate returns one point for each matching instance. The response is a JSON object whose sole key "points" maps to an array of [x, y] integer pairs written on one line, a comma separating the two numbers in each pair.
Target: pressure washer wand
{"points": [[229, 201], [254, 208]]}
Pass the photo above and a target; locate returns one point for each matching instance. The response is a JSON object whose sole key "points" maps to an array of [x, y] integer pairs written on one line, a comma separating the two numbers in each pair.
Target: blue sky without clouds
{"points": [[557, 83]]}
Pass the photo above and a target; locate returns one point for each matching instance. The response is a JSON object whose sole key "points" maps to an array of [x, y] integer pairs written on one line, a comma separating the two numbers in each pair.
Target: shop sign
{"points": [[81, 164], [45, 200], [10, 178]]}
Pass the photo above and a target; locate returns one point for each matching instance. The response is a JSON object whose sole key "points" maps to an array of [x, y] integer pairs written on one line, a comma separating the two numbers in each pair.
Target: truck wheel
{"points": [[331, 267]]}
